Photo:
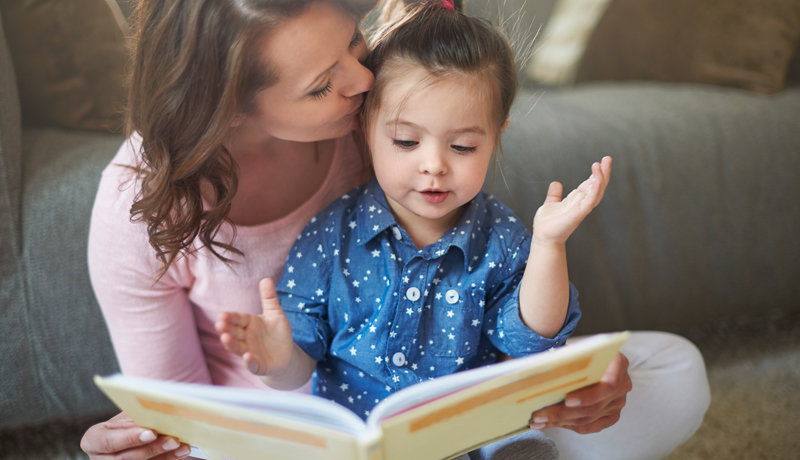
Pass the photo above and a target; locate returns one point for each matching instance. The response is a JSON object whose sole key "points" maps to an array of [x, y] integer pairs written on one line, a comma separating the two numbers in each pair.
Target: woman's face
{"points": [[321, 82]]}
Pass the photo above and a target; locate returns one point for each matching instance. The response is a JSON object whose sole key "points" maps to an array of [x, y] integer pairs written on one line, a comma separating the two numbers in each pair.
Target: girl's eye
{"points": [[322, 92], [463, 149], [404, 144]]}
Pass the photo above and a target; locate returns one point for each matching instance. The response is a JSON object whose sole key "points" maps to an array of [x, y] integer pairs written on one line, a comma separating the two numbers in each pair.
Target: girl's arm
{"points": [[265, 342], [544, 292]]}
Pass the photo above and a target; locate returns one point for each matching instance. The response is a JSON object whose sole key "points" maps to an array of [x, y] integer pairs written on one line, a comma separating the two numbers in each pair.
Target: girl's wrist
{"points": [[547, 245]]}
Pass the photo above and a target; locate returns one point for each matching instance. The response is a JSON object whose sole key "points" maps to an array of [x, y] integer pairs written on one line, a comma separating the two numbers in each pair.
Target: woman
{"points": [[241, 113]]}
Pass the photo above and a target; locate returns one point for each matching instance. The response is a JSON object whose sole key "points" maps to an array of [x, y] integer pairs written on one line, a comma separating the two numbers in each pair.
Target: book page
{"points": [[243, 424], [295, 406], [425, 392], [458, 413]]}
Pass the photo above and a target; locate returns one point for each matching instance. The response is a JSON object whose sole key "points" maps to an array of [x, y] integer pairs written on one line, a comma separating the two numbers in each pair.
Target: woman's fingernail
{"points": [[572, 402], [147, 436], [183, 452], [538, 426], [171, 444], [540, 419]]}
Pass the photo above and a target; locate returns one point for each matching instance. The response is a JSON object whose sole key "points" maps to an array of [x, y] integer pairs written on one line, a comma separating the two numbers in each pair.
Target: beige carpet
{"points": [[754, 370]]}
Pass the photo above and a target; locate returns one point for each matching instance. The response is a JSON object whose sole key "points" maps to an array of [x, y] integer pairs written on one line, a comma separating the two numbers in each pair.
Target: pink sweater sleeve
{"points": [[164, 329], [151, 322]]}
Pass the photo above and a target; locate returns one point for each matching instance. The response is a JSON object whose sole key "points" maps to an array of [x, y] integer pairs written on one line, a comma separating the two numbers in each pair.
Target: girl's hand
{"points": [[265, 341], [593, 408], [121, 437], [556, 219]]}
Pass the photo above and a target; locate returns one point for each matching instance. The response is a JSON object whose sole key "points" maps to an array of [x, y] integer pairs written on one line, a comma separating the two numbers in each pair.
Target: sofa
{"points": [[697, 225]]}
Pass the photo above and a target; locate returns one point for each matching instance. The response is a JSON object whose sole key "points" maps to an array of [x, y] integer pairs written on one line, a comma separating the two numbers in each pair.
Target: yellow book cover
{"points": [[440, 418]]}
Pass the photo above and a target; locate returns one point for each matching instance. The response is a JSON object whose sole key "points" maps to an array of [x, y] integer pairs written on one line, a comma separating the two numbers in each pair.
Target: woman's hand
{"points": [[264, 342], [590, 409], [557, 218], [120, 436]]}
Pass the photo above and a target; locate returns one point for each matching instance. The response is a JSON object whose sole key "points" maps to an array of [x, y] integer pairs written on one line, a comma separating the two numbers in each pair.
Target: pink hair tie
{"points": [[449, 4]]}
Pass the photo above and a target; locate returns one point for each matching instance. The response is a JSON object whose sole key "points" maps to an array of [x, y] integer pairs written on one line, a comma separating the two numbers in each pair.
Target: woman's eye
{"points": [[404, 144], [357, 39], [322, 92], [462, 148]]}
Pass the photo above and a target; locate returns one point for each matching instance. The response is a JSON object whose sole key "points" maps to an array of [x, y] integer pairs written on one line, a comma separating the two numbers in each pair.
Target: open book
{"points": [[439, 418]]}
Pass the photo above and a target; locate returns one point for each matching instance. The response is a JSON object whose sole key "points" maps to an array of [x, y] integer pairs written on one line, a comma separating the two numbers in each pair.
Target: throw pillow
{"points": [[557, 52], [70, 59], [740, 43]]}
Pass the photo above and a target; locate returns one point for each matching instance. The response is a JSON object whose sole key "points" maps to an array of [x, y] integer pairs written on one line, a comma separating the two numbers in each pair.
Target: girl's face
{"points": [[321, 82], [431, 141]]}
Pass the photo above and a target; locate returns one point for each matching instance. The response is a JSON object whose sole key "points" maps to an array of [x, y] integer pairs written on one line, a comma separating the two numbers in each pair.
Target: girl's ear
{"points": [[505, 125]]}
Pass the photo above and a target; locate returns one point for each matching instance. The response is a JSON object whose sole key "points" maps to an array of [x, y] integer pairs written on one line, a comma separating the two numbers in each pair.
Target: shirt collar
{"points": [[373, 214], [469, 234]]}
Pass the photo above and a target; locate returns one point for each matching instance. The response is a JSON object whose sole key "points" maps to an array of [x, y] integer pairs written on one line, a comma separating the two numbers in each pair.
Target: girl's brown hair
{"points": [[443, 41], [194, 70]]}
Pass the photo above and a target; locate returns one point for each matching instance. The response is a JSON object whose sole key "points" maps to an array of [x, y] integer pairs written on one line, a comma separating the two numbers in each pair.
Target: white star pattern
{"points": [[340, 264]]}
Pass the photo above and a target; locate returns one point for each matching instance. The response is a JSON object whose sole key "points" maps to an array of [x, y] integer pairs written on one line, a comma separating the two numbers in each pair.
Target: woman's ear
{"points": [[239, 119]]}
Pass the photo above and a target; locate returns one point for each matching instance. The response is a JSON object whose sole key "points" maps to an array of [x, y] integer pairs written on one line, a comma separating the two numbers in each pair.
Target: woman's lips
{"points": [[434, 196], [357, 107]]}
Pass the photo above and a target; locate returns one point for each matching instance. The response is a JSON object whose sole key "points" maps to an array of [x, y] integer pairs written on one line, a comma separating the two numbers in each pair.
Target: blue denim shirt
{"points": [[378, 314]]}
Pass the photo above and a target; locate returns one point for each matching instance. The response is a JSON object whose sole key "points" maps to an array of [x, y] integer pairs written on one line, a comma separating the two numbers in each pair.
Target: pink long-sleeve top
{"points": [[165, 329]]}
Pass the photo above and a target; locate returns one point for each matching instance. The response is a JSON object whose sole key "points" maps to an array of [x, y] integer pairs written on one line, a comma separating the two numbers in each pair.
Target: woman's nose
{"points": [[359, 78]]}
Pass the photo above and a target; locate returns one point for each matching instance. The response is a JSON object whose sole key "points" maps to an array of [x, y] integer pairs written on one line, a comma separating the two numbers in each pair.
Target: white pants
{"points": [[669, 398]]}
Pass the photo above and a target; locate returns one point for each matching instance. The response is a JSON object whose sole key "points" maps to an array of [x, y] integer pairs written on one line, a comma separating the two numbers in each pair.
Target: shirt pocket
{"points": [[455, 322]]}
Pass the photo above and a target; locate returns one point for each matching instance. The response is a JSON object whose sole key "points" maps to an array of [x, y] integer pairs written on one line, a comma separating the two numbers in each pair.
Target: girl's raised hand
{"points": [[557, 218], [263, 341]]}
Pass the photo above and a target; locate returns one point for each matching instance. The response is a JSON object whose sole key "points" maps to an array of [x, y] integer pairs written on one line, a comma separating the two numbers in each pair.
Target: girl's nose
{"points": [[433, 163]]}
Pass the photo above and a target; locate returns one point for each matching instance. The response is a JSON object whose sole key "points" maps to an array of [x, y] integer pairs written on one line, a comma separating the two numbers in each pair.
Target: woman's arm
{"points": [[150, 321], [151, 324]]}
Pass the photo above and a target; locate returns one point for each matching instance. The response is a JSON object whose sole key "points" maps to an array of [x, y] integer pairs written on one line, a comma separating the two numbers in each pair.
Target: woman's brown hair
{"points": [[194, 70]]}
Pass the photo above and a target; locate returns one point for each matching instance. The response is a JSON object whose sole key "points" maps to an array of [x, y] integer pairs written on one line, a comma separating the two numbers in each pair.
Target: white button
{"points": [[451, 296], [397, 234], [412, 294], [398, 359]]}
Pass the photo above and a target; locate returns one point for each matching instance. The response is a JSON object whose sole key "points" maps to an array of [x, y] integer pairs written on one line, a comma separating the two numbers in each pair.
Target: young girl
{"points": [[419, 274]]}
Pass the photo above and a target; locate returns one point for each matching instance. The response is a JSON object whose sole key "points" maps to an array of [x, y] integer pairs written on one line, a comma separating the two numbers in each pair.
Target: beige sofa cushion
{"points": [[746, 44], [69, 58]]}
